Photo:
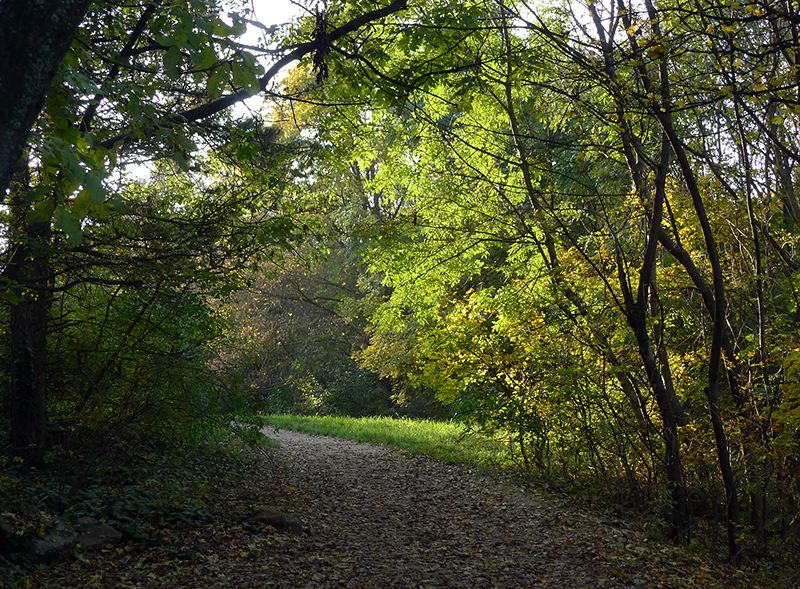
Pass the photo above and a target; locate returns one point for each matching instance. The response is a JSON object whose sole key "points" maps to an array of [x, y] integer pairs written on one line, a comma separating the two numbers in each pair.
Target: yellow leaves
{"points": [[656, 51], [776, 81], [754, 9], [788, 413]]}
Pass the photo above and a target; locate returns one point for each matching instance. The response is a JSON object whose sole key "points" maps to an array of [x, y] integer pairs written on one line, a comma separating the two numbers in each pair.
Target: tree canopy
{"points": [[572, 226]]}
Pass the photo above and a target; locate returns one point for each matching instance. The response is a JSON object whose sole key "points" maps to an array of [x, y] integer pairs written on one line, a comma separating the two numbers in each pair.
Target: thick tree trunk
{"points": [[29, 343], [34, 37], [28, 270]]}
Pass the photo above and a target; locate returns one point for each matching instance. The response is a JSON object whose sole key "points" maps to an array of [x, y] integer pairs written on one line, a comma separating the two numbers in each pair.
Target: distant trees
{"points": [[294, 331], [299, 324]]}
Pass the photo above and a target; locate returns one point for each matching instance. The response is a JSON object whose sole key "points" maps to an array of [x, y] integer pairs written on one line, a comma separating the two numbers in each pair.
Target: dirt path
{"points": [[379, 518]]}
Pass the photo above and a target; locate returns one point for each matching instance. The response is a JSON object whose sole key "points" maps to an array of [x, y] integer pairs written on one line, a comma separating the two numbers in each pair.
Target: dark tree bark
{"points": [[663, 113], [28, 268], [29, 319], [34, 38], [644, 298]]}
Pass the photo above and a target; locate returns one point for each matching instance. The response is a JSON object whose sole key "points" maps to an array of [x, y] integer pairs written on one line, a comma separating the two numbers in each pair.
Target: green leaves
{"points": [[37, 194], [172, 62], [216, 82], [41, 212], [180, 159], [94, 187], [246, 75], [72, 183], [69, 222]]}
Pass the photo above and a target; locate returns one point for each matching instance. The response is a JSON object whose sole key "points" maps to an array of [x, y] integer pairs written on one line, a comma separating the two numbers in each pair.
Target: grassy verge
{"points": [[446, 441]]}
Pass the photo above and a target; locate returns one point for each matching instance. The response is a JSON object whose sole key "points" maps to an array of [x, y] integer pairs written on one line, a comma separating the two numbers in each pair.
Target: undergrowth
{"points": [[140, 488]]}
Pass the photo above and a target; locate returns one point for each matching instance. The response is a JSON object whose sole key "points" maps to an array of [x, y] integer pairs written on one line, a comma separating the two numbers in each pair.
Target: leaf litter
{"points": [[375, 517]]}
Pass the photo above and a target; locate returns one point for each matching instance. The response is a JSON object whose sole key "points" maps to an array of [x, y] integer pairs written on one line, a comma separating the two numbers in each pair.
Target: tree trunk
{"points": [[718, 335], [679, 512], [30, 265], [34, 38]]}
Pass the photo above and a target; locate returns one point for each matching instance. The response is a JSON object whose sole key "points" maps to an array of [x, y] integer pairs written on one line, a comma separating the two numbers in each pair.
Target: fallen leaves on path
{"points": [[377, 518]]}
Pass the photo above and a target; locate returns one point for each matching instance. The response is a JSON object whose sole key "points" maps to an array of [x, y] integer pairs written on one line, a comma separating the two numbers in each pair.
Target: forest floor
{"points": [[375, 517]]}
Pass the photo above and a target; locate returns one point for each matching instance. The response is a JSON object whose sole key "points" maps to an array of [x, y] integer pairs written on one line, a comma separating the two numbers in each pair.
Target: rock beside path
{"points": [[278, 520], [45, 539], [99, 534]]}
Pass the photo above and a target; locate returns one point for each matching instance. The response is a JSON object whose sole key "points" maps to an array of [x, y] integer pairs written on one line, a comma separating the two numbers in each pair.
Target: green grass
{"points": [[247, 430], [444, 440]]}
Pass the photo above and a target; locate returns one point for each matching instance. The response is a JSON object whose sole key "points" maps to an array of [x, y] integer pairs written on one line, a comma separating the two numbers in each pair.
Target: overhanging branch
{"points": [[211, 108]]}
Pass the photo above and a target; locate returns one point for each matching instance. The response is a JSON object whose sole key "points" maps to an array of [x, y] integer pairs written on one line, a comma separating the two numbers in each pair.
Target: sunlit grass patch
{"points": [[447, 441]]}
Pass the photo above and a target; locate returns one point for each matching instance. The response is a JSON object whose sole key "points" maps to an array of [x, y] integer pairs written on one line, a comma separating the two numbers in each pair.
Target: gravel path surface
{"points": [[375, 517]]}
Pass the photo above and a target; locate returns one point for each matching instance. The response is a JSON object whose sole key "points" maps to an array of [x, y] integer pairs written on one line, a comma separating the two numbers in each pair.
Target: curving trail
{"points": [[376, 518], [379, 518]]}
